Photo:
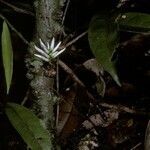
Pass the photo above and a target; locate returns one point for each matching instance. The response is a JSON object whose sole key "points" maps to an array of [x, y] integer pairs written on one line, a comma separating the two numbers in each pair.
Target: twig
{"points": [[65, 12], [71, 73], [20, 10], [13, 28], [57, 67], [76, 39], [77, 80], [135, 32], [57, 86], [26, 97], [136, 146]]}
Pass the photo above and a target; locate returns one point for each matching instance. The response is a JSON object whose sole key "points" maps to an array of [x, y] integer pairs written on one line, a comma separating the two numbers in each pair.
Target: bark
{"points": [[47, 26]]}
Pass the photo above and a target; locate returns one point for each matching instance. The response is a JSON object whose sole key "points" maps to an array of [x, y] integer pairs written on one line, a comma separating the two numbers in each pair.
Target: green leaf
{"points": [[135, 21], [7, 54], [103, 37], [28, 126]]}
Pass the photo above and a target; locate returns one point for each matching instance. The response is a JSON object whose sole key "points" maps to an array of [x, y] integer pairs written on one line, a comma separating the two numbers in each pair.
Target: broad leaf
{"points": [[134, 21], [102, 35], [7, 55], [28, 126]]}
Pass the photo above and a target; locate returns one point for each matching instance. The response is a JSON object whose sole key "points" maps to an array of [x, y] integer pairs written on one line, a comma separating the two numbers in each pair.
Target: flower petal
{"points": [[56, 46], [55, 54], [41, 51], [42, 57], [52, 43], [43, 46]]}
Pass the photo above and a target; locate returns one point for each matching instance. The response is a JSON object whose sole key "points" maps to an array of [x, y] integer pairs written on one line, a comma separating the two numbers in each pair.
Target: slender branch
{"points": [[77, 80], [14, 29], [76, 39], [57, 67], [26, 97], [20, 10], [65, 12], [71, 73], [136, 146], [57, 86]]}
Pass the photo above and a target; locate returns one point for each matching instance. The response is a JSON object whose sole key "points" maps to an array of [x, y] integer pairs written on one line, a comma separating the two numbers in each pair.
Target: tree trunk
{"points": [[44, 99]]}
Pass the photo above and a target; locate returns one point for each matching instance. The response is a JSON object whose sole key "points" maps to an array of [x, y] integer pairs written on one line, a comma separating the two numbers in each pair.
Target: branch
{"points": [[65, 12], [76, 39], [13, 28], [77, 80], [71, 73], [16, 8]]}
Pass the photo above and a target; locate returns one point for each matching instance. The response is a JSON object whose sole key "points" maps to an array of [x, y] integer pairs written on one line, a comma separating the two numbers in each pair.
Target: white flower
{"points": [[48, 51]]}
